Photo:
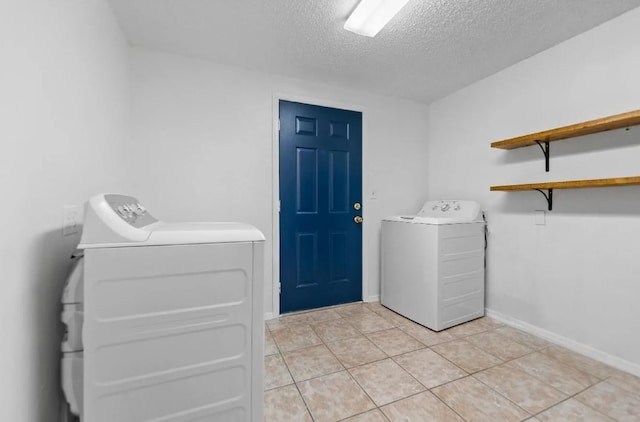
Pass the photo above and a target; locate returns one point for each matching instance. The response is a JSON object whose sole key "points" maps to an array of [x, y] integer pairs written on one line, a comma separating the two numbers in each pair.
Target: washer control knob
{"points": [[445, 207]]}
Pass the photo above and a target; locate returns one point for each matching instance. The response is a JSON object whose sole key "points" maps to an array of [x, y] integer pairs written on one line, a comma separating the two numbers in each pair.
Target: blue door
{"points": [[320, 211]]}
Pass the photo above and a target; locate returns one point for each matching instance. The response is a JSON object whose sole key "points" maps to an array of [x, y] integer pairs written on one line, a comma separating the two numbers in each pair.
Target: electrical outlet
{"points": [[71, 219]]}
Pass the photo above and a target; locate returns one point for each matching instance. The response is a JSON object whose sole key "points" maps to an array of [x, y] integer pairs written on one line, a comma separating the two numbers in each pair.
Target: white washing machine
{"points": [[172, 319], [433, 264]]}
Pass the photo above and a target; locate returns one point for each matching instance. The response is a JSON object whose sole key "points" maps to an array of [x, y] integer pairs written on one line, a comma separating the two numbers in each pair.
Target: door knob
{"points": [[357, 219], [357, 206]]}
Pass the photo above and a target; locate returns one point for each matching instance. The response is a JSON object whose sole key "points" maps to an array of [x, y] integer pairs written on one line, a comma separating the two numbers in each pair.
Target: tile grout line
{"points": [[351, 375], [306, 406], [335, 357], [458, 379], [294, 381], [399, 326], [353, 378], [379, 360], [505, 397], [365, 335], [561, 363], [573, 396], [411, 375], [569, 396], [408, 373], [469, 374]]}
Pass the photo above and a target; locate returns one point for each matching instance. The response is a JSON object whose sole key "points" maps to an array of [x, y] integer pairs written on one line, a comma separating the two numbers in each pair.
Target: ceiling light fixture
{"points": [[372, 15]]}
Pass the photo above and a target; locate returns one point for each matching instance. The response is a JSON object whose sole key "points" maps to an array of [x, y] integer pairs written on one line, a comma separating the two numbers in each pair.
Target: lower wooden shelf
{"points": [[570, 184]]}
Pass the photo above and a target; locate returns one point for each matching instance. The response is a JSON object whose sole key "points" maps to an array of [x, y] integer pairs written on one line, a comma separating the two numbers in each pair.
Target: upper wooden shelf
{"points": [[617, 121], [572, 184]]}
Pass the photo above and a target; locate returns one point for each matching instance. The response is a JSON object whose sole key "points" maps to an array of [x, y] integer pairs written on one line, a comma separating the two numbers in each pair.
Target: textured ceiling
{"points": [[431, 48]]}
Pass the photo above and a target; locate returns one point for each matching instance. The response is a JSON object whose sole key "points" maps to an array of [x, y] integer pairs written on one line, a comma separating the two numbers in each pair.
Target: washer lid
{"points": [[119, 220], [416, 219], [450, 211]]}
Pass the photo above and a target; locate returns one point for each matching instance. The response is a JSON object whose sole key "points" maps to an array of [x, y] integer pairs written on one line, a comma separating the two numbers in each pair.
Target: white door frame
{"points": [[275, 188]]}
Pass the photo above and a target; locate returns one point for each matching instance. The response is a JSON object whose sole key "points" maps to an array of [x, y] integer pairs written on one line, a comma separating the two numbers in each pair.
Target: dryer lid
{"points": [[186, 233], [119, 220]]}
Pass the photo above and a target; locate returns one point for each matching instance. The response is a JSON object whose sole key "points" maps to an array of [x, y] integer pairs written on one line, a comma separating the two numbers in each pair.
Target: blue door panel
{"points": [[320, 180], [339, 129], [306, 126], [307, 180], [307, 259], [338, 245], [339, 182]]}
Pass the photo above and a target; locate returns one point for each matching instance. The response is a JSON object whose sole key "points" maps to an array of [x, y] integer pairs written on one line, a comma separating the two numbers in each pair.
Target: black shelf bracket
{"points": [[548, 196], [545, 150]]}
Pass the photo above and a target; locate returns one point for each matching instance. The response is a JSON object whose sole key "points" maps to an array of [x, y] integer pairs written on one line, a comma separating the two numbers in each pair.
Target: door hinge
{"points": [[279, 205], [279, 288], [278, 125]]}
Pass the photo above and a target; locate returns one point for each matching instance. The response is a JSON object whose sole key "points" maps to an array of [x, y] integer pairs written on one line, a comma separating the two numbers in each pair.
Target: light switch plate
{"points": [[71, 219]]}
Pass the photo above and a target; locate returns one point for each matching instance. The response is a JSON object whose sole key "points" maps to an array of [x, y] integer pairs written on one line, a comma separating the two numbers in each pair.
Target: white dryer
{"points": [[433, 264], [173, 326], [72, 352]]}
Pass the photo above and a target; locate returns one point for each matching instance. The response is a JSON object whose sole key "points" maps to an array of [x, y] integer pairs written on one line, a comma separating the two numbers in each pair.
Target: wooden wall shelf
{"points": [[542, 139], [617, 121], [571, 184]]}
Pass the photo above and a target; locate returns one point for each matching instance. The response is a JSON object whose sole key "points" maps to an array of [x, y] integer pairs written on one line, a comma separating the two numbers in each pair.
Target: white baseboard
{"points": [[373, 298], [573, 345], [268, 316]]}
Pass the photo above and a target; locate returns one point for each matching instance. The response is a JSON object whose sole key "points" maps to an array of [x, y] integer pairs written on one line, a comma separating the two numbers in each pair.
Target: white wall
{"points": [[63, 107], [203, 147], [575, 278]]}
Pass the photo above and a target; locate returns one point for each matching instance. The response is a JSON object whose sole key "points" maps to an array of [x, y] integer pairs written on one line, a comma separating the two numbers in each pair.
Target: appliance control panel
{"points": [[130, 210], [451, 207]]}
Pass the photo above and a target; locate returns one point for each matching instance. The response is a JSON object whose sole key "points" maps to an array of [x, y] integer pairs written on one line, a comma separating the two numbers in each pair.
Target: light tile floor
{"points": [[364, 363]]}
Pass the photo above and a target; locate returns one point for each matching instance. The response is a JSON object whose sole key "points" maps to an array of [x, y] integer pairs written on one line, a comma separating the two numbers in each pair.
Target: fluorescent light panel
{"points": [[372, 15]]}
